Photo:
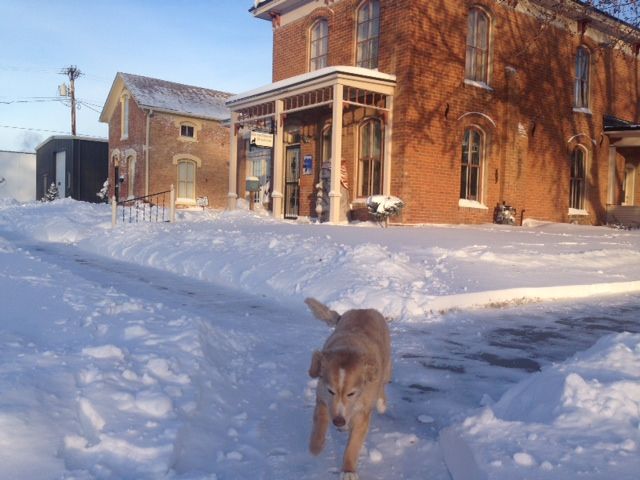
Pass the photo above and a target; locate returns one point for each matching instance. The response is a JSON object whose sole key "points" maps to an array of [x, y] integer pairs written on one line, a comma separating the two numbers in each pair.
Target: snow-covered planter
{"points": [[381, 207]]}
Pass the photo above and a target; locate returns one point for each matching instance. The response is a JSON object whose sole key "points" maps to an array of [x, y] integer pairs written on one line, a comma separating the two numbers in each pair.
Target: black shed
{"points": [[78, 166]]}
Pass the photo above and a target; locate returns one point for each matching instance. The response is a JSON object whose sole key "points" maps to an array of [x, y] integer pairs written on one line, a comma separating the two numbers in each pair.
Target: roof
{"points": [[615, 124], [71, 137], [170, 97], [306, 78]]}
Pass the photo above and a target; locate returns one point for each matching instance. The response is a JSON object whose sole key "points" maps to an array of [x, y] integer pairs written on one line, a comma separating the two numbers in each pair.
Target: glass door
{"points": [[292, 183]]}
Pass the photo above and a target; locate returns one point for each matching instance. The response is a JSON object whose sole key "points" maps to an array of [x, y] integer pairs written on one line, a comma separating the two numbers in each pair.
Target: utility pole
{"points": [[73, 73]]}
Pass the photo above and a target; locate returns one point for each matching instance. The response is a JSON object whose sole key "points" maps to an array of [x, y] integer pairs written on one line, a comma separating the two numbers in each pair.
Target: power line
{"points": [[32, 129]]}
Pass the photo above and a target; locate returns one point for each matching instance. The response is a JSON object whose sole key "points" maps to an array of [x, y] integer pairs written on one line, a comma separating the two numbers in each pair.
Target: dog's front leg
{"points": [[319, 431], [356, 439]]}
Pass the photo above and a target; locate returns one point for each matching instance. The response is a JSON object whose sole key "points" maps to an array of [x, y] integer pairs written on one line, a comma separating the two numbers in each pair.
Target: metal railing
{"points": [[150, 208]]}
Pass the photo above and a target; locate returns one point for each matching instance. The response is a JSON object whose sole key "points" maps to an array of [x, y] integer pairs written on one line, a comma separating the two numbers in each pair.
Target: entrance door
{"points": [[292, 183], [61, 173], [629, 185]]}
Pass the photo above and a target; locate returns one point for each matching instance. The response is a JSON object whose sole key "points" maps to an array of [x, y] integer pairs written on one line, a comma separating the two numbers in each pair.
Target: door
{"points": [[61, 173], [292, 183], [629, 185]]}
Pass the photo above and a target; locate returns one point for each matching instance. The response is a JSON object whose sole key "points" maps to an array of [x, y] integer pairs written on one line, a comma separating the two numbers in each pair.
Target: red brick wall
{"points": [[527, 115], [211, 147]]}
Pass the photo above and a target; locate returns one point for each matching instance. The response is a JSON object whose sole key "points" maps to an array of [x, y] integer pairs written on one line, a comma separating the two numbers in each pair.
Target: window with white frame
{"points": [[187, 131], [318, 45], [477, 56], [187, 179], [124, 120], [583, 60], [370, 158], [577, 187], [368, 32], [472, 163]]}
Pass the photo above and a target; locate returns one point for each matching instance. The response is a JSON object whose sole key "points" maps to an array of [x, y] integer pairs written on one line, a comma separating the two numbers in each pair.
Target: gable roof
{"points": [[168, 97]]}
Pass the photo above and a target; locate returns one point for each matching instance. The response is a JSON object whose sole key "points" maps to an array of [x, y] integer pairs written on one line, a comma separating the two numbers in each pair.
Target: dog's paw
{"points": [[349, 476], [381, 405], [316, 445]]}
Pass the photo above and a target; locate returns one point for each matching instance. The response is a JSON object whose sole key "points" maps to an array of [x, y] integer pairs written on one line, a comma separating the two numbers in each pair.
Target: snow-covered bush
{"points": [[103, 194], [51, 194], [381, 207]]}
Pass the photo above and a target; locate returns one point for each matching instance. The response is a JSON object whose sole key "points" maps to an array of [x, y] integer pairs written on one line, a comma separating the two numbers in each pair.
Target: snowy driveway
{"points": [[140, 373]]}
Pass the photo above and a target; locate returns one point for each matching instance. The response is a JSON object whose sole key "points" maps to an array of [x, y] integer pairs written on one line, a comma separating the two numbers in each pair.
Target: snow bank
{"points": [[577, 418], [409, 272]]}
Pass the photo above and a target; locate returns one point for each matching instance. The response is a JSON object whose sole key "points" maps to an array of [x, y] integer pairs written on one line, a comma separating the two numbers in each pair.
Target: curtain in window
{"points": [[368, 32], [578, 179], [582, 78], [187, 180], [476, 66], [319, 45], [370, 159], [472, 145]]}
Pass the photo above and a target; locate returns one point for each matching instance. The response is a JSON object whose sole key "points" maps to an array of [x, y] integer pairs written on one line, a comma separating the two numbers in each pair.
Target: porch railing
{"points": [[623, 216], [157, 207]]}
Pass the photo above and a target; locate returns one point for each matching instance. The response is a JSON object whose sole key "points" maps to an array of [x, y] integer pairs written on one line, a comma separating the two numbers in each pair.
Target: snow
{"points": [[180, 351]]}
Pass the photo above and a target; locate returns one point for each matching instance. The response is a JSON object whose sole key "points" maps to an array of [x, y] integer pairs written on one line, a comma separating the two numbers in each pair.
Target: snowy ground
{"points": [[180, 351]]}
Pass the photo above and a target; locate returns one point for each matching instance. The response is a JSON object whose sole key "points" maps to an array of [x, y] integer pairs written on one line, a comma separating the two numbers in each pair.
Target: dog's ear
{"points": [[370, 371], [316, 364]]}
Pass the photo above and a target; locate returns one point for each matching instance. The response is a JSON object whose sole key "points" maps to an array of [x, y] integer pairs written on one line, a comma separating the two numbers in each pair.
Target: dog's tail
{"points": [[322, 312]]}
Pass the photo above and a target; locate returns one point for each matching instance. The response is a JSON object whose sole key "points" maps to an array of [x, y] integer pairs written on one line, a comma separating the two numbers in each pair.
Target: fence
{"points": [[150, 208]]}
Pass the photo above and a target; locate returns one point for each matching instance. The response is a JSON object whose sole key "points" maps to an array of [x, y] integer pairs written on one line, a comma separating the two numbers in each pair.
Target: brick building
{"points": [[454, 106], [163, 133]]}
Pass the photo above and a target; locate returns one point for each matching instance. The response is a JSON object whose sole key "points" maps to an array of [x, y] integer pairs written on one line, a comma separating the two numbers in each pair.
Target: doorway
{"points": [[61, 173], [292, 183]]}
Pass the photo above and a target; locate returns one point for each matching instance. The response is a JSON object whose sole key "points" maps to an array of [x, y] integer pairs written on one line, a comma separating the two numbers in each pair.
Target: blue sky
{"points": [[209, 43]]}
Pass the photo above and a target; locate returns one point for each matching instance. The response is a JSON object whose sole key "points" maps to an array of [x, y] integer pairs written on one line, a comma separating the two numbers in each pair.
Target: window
{"points": [[131, 168], [370, 158], [578, 179], [472, 159], [187, 180], [368, 30], [477, 60], [187, 131], [583, 59], [319, 41], [124, 121]]}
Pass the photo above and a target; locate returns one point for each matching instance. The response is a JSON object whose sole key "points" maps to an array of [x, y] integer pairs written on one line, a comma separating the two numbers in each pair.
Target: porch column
{"points": [[232, 196], [278, 162], [388, 131], [611, 199], [336, 155]]}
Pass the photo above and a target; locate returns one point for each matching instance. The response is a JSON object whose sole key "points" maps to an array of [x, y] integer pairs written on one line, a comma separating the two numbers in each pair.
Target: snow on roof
{"points": [[307, 77], [174, 97]]}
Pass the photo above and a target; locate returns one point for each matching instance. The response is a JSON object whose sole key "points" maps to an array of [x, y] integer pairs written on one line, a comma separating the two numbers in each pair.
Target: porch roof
{"points": [[371, 79], [621, 133]]}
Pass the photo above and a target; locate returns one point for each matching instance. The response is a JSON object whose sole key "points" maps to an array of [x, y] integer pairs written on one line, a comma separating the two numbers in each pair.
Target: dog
{"points": [[352, 369]]}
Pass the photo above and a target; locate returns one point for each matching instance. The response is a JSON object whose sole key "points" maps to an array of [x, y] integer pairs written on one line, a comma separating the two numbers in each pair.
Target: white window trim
{"points": [[578, 212], [583, 110], [464, 203], [185, 138], [475, 83]]}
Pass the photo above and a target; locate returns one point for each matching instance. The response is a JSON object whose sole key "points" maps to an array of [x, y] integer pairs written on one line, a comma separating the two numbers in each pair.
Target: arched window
{"points": [[370, 158], [472, 162], [187, 180], [583, 60], [368, 31], [577, 187], [131, 170], [124, 120], [318, 45], [477, 59]]}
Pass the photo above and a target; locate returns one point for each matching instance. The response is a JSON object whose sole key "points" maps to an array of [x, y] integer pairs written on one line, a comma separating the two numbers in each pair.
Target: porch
{"points": [[623, 201], [312, 124]]}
